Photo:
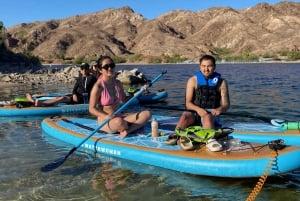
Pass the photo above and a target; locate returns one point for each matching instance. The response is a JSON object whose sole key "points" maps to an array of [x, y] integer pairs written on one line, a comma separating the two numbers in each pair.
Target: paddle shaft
{"points": [[60, 161]]}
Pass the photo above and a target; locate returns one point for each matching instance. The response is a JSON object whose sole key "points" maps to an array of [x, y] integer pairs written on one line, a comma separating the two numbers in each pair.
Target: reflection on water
{"points": [[109, 181], [271, 90]]}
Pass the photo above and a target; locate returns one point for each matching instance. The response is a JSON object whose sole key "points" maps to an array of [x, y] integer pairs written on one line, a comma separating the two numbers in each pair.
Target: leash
{"points": [[274, 145]]}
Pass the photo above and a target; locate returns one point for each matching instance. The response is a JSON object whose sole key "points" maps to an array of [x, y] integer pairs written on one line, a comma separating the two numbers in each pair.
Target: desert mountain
{"points": [[262, 29]]}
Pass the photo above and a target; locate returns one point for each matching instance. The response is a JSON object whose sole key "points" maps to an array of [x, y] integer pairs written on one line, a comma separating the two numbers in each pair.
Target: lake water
{"points": [[270, 90]]}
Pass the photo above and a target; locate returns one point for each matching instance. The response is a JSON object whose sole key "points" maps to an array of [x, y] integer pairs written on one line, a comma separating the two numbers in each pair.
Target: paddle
{"points": [[275, 122], [60, 161]]}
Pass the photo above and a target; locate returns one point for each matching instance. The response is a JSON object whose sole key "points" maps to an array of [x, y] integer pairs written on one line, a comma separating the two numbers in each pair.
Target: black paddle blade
{"points": [[53, 165], [58, 162]]}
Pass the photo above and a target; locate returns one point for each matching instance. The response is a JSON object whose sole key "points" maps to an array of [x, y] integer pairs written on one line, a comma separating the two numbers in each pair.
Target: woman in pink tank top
{"points": [[105, 99]]}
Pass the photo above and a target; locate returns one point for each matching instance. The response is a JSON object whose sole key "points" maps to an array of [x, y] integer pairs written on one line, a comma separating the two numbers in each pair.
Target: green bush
{"points": [[118, 59], [155, 60], [79, 60], [135, 57], [176, 58], [293, 55]]}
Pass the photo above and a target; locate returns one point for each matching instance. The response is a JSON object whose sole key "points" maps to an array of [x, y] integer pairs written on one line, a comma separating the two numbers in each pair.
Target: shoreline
{"points": [[8, 84]]}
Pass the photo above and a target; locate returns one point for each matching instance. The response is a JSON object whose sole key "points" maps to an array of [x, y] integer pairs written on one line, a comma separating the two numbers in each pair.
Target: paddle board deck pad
{"points": [[259, 132], [246, 160]]}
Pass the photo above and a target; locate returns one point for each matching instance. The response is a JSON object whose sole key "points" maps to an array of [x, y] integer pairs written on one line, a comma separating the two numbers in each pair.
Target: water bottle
{"points": [[154, 127]]}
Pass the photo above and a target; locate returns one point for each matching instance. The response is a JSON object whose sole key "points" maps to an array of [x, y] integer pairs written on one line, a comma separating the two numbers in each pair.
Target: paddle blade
{"points": [[53, 165], [58, 162]]}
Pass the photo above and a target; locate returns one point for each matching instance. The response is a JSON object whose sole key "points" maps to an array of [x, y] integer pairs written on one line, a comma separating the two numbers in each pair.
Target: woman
{"points": [[105, 99]]}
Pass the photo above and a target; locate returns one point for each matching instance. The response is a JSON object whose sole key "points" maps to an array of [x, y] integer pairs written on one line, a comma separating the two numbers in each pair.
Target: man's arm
{"points": [[225, 101]]}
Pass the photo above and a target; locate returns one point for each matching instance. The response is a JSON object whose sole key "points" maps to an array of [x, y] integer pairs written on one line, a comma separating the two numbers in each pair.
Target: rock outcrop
{"points": [[66, 75], [131, 76]]}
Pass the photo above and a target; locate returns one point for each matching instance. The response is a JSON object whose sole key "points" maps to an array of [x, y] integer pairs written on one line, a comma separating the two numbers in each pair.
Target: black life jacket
{"points": [[207, 94]]}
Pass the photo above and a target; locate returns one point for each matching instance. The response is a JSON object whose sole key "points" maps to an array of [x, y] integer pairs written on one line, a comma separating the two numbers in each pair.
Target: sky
{"points": [[13, 12]]}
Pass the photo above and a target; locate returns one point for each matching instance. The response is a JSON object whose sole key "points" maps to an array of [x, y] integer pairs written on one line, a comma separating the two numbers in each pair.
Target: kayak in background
{"points": [[13, 111], [149, 97], [20, 106], [146, 97]]}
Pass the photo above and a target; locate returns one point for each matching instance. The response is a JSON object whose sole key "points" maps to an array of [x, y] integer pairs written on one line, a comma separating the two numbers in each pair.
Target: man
{"points": [[206, 96]]}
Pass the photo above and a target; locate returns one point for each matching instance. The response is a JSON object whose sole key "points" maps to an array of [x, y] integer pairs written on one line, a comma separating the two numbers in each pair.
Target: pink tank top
{"points": [[106, 99]]}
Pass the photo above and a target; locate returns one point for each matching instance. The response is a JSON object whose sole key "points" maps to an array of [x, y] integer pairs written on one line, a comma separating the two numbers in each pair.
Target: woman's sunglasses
{"points": [[107, 66]]}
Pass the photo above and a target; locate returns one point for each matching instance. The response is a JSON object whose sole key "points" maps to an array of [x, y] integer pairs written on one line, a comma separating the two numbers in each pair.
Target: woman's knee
{"points": [[143, 115], [116, 125]]}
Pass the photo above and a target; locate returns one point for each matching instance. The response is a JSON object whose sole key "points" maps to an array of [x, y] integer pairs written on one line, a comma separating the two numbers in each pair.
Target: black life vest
{"points": [[207, 94]]}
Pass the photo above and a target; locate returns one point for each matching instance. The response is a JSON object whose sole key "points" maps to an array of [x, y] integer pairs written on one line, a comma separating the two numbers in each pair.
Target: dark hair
{"points": [[207, 57], [100, 60]]}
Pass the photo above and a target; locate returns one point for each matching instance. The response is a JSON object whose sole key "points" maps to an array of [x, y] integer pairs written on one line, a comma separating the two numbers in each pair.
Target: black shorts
{"points": [[198, 119], [80, 100]]}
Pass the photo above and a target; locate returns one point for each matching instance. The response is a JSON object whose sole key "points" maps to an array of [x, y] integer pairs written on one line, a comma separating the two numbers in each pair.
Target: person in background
{"points": [[83, 85], [80, 94], [94, 69], [206, 98], [105, 99]]}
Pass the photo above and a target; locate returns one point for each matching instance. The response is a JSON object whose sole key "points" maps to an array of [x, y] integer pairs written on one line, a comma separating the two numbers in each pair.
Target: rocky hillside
{"points": [[257, 30]]}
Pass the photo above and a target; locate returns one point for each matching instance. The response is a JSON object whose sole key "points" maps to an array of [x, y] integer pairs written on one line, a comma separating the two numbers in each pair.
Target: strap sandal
{"points": [[185, 143], [214, 145], [172, 139]]}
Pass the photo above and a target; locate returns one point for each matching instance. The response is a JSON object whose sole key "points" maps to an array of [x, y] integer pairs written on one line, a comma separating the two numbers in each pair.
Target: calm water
{"points": [[271, 90]]}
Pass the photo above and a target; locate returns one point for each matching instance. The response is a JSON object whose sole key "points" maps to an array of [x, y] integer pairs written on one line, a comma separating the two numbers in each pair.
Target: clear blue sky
{"points": [[13, 12]]}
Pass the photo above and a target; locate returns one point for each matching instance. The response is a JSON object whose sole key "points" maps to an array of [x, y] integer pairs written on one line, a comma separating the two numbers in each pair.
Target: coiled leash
{"points": [[274, 145]]}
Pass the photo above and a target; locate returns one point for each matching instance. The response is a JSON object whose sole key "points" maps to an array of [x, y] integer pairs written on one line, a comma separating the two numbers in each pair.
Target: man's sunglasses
{"points": [[107, 66]]}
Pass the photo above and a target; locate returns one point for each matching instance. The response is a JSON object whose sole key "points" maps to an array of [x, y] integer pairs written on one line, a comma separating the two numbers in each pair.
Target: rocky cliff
{"points": [[257, 30]]}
